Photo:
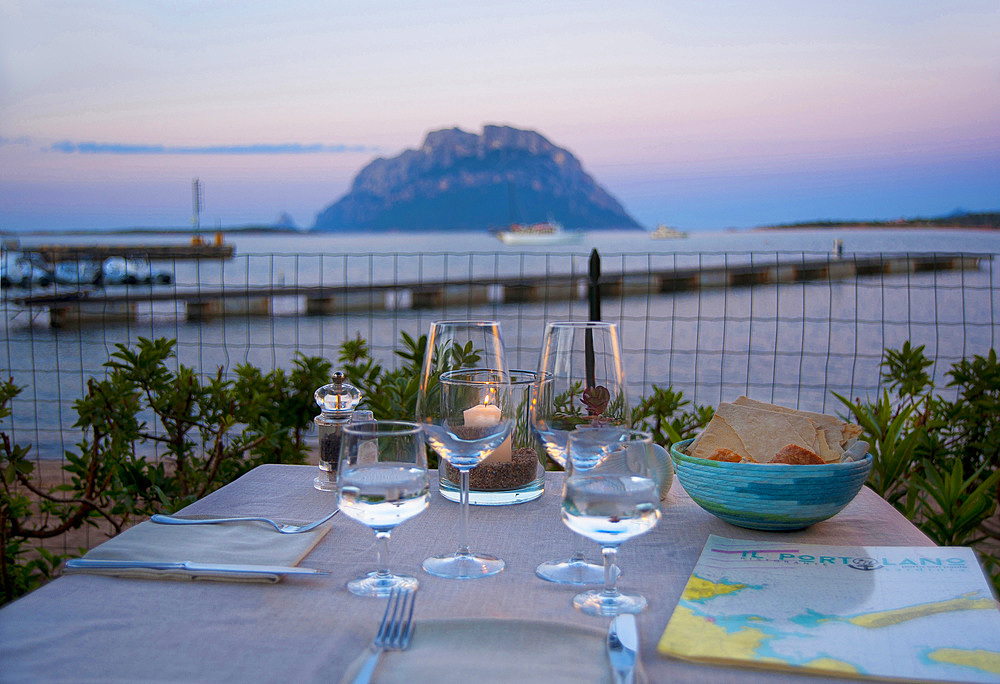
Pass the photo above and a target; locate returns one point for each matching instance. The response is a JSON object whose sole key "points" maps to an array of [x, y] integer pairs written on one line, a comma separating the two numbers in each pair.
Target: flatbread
{"points": [[841, 434], [756, 431]]}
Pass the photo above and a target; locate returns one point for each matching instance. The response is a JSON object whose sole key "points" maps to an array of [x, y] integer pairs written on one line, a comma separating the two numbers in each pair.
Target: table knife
{"points": [[623, 648], [236, 569]]}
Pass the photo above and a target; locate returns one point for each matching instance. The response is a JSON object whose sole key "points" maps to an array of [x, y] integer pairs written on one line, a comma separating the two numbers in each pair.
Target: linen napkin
{"points": [[482, 650], [248, 542]]}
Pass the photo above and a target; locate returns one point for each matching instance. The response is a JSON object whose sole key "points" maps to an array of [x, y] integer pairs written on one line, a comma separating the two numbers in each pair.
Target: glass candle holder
{"points": [[515, 471]]}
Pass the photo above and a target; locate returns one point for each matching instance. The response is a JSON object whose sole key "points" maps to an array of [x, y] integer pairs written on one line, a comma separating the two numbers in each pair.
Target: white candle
{"points": [[485, 415], [482, 415]]}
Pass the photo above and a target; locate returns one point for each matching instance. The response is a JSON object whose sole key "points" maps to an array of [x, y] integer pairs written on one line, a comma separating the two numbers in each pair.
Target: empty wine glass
{"points": [[381, 482], [610, 502], [464, 408], [580, 383]]}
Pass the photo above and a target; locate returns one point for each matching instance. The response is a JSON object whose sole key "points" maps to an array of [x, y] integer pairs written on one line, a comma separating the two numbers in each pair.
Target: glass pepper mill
{"points": [[336, 403]]}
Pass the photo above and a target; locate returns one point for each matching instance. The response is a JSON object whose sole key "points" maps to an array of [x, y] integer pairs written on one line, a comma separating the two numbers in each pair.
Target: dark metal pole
{"points": [[594, 294]]}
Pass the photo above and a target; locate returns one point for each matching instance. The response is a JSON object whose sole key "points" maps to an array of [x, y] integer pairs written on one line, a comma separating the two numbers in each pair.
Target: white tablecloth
{"points": [[309, 629]]}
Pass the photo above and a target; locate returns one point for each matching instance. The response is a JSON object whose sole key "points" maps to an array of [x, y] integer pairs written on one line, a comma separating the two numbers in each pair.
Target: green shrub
{"points": [[937, 460], [209, 432]]}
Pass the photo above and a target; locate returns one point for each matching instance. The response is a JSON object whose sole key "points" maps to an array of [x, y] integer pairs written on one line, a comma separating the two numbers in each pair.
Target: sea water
{"points": [[790, 343]]}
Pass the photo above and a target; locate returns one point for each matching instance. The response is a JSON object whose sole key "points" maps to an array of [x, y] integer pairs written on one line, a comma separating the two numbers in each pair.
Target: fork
{"points": [[394, 632], [280, 527]]}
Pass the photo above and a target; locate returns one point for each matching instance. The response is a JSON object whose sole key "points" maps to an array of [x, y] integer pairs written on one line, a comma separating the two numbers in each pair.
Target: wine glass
{"points": [[580, 383], [464, 408], [611, 502], [381, 482]]}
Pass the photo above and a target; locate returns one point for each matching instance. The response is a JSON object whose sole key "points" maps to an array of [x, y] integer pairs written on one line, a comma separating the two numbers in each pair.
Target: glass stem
{"points": [[382, 546], [463, 519], [611, 571]]}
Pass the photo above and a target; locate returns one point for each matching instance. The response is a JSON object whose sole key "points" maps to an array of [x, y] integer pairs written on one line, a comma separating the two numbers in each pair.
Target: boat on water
{"points": [[665, 232], [133, 271], [25, 270], [80, 272], [547, 233]]}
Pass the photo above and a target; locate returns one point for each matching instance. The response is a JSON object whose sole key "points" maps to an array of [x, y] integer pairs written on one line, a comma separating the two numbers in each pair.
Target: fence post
{"points": [[594, 294]]}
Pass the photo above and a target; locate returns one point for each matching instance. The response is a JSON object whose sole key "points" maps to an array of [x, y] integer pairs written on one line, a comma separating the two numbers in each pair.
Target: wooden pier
{"points": [[98, 253], [95, 305]]}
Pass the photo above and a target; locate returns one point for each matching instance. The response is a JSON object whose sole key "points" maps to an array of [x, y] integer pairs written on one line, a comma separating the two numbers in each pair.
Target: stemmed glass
{"points": [[580, 383], [382, 481], [611, 502], [464, 407]]}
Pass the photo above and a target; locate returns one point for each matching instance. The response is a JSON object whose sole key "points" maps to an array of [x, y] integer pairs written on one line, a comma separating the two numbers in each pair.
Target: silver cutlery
{"points": [[394, 632], [280, 527], [233, 568], [623, 648]]}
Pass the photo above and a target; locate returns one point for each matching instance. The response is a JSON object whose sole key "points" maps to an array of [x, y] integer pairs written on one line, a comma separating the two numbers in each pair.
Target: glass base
{"points": [[498, 497], [380, 586], [571, 571], [326, 481], [599, 603], [463, 566]]}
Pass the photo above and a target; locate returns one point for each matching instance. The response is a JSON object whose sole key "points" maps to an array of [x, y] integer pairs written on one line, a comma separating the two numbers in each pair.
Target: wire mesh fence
{"points": [[785, 327]]}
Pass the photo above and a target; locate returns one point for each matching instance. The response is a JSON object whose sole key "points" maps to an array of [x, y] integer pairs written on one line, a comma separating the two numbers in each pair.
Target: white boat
{"points": [[133, 271], [663, 232], [548, 233], [82, 272], [24, 270]]}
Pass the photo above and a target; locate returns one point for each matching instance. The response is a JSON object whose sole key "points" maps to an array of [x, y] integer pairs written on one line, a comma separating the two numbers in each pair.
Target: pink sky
{"points": [[700, 115]]}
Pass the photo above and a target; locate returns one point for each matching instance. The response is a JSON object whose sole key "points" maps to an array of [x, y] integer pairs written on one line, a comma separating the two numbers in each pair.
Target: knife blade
{"points": [[623, 648], [238, 569]]}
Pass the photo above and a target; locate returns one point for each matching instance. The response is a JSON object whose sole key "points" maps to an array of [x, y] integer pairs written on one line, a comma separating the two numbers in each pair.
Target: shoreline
{"points": [[992, 224]]}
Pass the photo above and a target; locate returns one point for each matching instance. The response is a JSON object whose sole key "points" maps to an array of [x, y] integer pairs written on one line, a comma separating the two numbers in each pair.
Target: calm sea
{"points": [[793, 344]]}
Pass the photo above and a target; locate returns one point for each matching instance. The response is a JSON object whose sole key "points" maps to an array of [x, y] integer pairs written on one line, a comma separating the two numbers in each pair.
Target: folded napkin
{"points": [[253, 543], [478, 650]]}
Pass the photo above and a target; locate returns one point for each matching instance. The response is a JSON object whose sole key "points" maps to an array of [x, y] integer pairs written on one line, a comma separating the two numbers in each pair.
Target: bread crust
{"points": [[793, 454]]}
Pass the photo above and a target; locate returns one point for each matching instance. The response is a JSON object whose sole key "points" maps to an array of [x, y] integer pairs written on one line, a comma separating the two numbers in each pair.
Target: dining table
{"points": [[85, 627]]}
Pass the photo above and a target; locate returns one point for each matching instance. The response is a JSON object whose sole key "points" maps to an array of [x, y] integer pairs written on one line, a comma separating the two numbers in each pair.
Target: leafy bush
{"points": [[663, 413], [210, 432], [937, 460]]}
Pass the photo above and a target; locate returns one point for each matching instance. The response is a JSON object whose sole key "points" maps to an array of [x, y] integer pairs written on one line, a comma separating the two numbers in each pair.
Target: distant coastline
{"points": [[956, 221], [960, 220]]}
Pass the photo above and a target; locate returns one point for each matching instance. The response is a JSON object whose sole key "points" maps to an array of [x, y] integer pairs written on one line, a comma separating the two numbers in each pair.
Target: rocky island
{"points": [[460, 181]]}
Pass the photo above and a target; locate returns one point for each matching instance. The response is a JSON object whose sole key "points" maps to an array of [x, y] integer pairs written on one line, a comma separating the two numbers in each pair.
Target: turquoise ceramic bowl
{"points": [[769, 497]]}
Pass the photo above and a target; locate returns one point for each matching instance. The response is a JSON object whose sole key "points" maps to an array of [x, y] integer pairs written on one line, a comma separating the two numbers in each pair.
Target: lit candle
{"points": [[486, 415], [482, 415]]}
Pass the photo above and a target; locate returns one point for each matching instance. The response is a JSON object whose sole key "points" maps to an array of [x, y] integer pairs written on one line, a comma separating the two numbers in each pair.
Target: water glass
{"points": [[610, 502], [581, 383], [464, 407], [381, 482]]}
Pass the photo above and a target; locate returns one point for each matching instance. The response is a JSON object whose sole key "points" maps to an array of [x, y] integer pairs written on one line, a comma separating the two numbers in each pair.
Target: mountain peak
{"points": [[458, 180]]}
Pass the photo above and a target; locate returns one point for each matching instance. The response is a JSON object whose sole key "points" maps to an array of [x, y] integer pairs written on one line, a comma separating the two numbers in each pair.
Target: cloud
{"points": [[23, 140], [69, 147]]}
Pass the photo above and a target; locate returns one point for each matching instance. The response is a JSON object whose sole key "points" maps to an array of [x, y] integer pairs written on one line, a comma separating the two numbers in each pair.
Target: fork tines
{"points": [[397, 623]]}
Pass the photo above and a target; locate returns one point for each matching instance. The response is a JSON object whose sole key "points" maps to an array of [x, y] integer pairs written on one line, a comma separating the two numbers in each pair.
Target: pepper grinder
{"points": [[336, 402]]}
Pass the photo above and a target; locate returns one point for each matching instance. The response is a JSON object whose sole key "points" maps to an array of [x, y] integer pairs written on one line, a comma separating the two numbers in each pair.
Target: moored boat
{"points": [[81, 272], [547, 233], [663, 231]]}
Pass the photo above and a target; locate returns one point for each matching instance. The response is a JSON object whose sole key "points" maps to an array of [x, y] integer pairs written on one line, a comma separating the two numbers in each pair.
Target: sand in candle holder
{"points": [[497, 476], [517, 472]]}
